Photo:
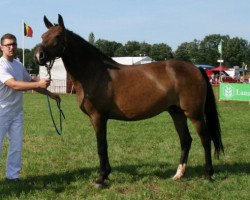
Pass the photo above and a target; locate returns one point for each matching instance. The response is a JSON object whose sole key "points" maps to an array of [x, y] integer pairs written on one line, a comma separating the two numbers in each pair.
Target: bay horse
{"points": [[107, 90]]}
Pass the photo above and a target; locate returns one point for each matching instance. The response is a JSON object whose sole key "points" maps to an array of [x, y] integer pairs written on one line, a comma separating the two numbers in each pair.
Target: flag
{"points": [[28, 32], [220, 47]]}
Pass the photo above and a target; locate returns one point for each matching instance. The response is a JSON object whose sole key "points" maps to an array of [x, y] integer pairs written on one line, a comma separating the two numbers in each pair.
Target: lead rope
{"points": [[61, 114]]}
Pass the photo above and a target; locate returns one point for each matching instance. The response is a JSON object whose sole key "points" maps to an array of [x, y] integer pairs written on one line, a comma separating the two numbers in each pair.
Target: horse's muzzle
{"points": [[40, 56]]}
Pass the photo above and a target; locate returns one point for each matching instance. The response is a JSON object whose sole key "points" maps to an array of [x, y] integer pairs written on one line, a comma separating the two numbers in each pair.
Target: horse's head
{"points": [[53, 42]]}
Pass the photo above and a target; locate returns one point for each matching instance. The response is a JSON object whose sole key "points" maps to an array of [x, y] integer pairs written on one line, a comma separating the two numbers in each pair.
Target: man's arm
{"points": [[23, 85], [39, 86]]}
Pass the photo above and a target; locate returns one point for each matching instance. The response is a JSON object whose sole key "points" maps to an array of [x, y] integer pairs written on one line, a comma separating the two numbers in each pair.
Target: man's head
{"points": [[8, 46]]}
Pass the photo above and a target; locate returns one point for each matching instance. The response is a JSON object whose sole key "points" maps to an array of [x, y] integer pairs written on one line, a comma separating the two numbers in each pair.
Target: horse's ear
{"points": [[60, 21], [47, 23]]}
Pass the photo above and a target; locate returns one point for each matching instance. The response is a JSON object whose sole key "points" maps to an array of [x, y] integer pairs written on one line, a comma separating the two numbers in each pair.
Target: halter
{"points": [[49, 66], [59, 132]]}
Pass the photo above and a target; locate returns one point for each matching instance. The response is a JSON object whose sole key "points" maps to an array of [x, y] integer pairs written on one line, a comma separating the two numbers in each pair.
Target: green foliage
{"points": [[144, 156], [145, 49], [209, 49], [30, 63], [91, 38], [133, 48], [188, 51], [107, 47], [161, 52], [19, 54], [235, 51], [120, 52]]}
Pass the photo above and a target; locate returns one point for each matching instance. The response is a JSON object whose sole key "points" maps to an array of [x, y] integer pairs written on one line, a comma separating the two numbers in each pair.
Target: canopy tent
{"points": [[221, 75], [133, 60], [220, 68], [217, 70], [206, 67]]}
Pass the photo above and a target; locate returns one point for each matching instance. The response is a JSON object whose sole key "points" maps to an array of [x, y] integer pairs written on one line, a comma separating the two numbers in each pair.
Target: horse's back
{"points": [[143, 91]]}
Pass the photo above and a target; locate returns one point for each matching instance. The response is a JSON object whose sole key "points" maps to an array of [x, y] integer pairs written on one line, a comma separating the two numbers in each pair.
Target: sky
{"points": [[159, 21]]}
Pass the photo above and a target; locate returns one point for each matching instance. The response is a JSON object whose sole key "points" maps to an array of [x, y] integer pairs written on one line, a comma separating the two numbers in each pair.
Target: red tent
{"points": [[209, 72], [220, 68]]}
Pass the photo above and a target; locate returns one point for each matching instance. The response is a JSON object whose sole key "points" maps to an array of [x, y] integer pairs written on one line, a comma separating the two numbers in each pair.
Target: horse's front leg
{"points": [[100, 126]]}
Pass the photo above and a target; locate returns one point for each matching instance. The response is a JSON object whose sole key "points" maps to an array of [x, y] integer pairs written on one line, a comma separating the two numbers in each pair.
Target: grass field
{"points": [[144, 156]]}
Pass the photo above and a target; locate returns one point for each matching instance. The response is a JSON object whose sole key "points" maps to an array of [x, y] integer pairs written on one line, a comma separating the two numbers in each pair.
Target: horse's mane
{"points": [[91, 49]]}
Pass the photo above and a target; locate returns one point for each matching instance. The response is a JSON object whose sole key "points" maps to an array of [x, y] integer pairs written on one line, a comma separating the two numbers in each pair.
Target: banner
{"points": [[235, 91], [220, 47]]}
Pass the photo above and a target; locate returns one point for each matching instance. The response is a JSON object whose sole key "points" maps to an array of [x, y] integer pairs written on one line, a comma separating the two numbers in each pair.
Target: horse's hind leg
{"points": [[180, 122], [202, 130]]}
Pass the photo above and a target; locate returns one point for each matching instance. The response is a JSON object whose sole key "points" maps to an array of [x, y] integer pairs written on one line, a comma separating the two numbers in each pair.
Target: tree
{"points": [[132, 48], [107, 47], [188, 51], [161, 52], [182, 52], [19, 54], [91, 38], [208, 51], [235, 52], [120, 52], [145, 49], [30, 62], [247, 61]]}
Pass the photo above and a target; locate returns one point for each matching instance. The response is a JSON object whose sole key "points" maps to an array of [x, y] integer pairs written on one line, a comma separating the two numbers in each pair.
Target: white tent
{"points": [[133, 60], [58, 76]]}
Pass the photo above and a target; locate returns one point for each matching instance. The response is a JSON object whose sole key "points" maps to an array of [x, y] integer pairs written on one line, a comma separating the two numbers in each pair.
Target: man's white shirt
{"points": [[11, 100]]}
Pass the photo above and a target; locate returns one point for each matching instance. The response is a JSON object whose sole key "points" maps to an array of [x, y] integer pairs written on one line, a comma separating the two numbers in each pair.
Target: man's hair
{"points": [[8, 36]]}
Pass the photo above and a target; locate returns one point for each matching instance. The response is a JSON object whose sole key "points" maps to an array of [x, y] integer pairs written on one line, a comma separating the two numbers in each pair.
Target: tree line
{"points": [[235, 51]]}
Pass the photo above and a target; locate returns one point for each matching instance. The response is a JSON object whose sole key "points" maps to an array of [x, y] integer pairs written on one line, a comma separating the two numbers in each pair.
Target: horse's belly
{"points": [[141, 107]]}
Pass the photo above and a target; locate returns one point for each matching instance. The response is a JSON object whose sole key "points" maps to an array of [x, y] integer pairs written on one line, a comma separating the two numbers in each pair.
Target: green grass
{"points": [[144, 156]]}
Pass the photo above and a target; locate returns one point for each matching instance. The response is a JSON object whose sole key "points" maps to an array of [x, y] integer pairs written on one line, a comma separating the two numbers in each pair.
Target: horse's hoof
{"points": [[99, 186], [180, 172], [176, 178], [209, 179]]}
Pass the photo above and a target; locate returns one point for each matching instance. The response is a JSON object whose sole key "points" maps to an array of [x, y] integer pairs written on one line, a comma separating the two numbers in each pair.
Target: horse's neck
{"points": [[80, 67], [85, 74], [82, 60], [86, 65]]}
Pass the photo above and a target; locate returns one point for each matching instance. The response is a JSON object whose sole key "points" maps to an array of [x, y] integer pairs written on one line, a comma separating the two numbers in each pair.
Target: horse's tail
{"points": [[212, 118]]}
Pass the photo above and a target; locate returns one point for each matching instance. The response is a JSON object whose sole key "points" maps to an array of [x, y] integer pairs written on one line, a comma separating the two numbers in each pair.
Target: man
{"points": [[14, 79]]}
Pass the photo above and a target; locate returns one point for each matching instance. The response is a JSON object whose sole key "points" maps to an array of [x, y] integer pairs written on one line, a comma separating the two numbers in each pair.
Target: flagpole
{"points": [[220, 68], [23, 40], [220, 59]]}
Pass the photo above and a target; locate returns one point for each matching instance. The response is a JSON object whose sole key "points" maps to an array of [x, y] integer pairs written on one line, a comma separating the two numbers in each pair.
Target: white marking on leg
{"points": [[180, 172]]}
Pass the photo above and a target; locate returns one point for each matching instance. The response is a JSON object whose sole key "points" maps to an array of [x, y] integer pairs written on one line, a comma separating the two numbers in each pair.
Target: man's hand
{"points": [[44, 83]]}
